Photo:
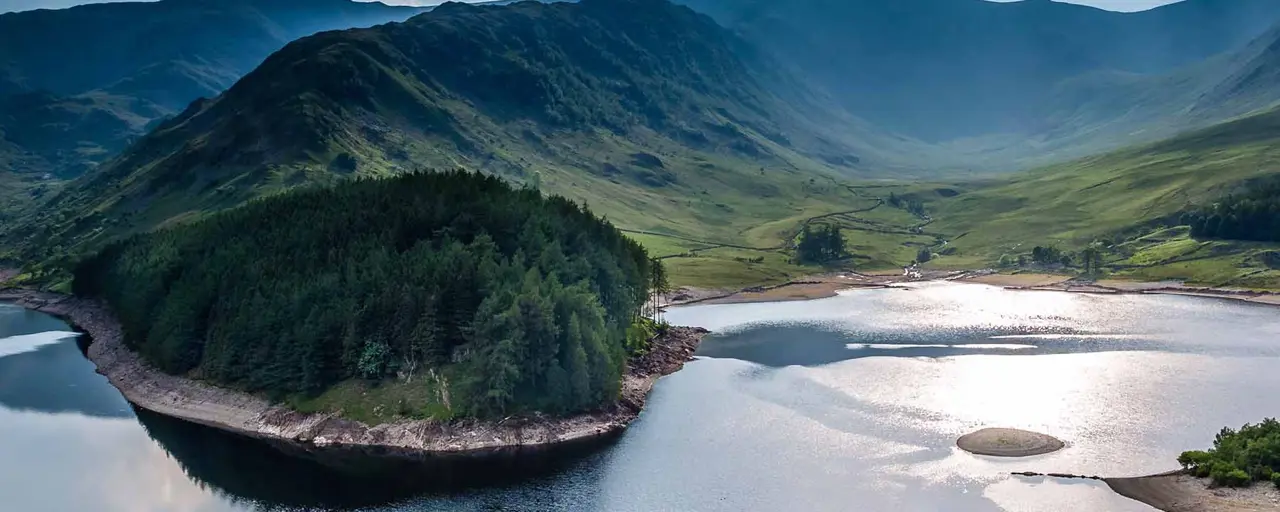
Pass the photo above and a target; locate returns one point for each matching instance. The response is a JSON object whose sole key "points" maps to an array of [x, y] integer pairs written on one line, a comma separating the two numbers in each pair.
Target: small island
{"points": [[1008, 442], [429, 313]]}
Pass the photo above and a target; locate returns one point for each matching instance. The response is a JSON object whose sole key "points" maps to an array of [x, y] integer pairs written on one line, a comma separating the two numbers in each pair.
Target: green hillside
{"points": [[1130, 202], [78, 85], [648, 112]]}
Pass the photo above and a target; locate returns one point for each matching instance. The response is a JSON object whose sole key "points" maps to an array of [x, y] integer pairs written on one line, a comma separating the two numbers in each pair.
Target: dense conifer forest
{"points": [[1251, 213], [525, 299]]}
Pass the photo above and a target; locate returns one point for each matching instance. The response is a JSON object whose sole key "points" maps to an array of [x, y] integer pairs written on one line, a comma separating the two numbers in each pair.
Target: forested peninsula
{"points": [[430, 297]]}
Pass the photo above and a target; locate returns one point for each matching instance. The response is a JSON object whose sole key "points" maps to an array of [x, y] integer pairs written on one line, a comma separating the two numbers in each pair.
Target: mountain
{"points": [[1103, 110], [1131, 200], [981, 76], [649, 111], [77, 85]]}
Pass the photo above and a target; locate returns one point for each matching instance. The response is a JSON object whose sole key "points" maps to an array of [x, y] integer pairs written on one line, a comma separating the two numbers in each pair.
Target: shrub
{"points": [[1195, 460], [1275, 479], [1225, 474], [1238, 457]]}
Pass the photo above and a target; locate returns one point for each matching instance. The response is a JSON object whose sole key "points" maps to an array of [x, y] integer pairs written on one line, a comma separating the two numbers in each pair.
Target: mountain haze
{"points": [[979, 76]]}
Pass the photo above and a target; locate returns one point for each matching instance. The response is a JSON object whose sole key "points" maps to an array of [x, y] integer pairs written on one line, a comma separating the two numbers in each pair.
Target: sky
{"points": [[23, 5]]}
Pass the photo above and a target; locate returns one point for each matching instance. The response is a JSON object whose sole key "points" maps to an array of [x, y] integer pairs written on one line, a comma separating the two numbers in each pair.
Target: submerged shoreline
{"points": [[256, 417]]}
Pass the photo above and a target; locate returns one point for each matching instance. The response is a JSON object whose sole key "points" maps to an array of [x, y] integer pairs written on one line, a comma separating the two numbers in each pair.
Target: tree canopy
{"points": [[1252, 213], [821, 245], [528, 299], [1239, 457]]}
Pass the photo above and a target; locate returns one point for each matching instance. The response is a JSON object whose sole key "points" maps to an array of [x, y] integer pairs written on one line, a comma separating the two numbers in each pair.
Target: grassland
{"points": [[1124, 201], [381, 402], [756, 249]]}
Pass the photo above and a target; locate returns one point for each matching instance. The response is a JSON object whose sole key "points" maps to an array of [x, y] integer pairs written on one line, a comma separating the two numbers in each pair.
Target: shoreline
{"points": [[1070, 284], [809, 288], [1176, 491], [252, 416]]}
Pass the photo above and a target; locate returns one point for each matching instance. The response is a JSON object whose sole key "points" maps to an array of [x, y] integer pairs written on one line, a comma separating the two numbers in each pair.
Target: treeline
{"points": [[821, 245], [910, 204], [1090, 259], [526, 299], [1253, 213], [1239, 457]]}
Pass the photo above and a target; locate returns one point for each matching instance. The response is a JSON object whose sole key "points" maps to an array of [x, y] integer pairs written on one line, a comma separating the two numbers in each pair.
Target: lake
{"points": [[847, 403]]}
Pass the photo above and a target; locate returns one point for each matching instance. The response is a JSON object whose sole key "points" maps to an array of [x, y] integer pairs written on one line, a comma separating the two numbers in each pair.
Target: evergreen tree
{"points": [[525, 298]]}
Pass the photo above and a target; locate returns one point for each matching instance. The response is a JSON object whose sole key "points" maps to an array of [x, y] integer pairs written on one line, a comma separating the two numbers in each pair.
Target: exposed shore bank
{"points": [[1180, 492], [1177, 491], [249, 415], [1062, 283], [809, 288]]}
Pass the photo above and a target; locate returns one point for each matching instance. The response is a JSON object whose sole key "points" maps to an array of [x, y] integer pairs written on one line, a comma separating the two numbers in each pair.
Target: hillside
{"points": [[77, 85], [1131, 202], [1000, 85], [648, 112], [1118, 106]]}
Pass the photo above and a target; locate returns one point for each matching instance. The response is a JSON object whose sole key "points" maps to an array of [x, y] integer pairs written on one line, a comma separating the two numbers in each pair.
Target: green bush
{"points": [[1196, 462], [1239, 457], [639, 335], [1275, 479], [1225, 475]]}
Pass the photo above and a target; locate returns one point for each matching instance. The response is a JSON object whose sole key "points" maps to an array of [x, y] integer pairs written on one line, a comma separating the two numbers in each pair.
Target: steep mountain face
{"points": [[76, 85], [637, 106], [1102, 110], [944, 70]]}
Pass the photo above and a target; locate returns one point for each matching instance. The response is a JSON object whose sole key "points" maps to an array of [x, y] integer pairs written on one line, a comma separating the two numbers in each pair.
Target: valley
{"points": [[715, 158], [379, 246]]}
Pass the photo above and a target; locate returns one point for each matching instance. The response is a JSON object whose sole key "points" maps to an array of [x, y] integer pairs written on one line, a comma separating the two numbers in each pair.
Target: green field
{"points": [[878, 236], [1122, 201]]}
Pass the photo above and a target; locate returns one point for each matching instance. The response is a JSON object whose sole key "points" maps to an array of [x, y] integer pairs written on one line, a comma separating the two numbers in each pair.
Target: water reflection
{"points": [[847, 403], [944, 320], [17, 321], [48, 373], [257, 473], [819, 343]]}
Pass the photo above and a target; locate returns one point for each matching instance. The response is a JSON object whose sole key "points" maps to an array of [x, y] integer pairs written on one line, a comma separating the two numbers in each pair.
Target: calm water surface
{"points": [[848, 403]]}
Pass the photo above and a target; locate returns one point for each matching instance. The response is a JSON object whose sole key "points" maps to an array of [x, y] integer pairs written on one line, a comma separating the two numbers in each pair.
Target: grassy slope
{"points": [[1109, 197], [86, 81], [723, 160]]}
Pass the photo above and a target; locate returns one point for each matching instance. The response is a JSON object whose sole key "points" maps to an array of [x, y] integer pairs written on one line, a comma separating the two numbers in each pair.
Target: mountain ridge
{"points": [[976, 76], [636, 111], [101, 67]]}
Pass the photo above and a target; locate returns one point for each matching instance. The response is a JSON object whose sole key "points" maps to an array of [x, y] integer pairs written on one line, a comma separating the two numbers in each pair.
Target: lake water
{"points": [[848, 403]]}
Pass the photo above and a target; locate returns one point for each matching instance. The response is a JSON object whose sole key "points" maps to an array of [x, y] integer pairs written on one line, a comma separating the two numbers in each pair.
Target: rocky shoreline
{"points": [[1177, 491], [256, 417], [1069, 284]]}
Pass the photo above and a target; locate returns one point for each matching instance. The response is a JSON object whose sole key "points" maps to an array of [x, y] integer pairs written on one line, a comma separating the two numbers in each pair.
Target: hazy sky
{"points": [[23, 5]]}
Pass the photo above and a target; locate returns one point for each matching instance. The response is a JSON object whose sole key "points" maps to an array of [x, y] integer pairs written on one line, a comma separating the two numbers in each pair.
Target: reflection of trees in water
{"points": [[820, 344], [267, 476]]}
